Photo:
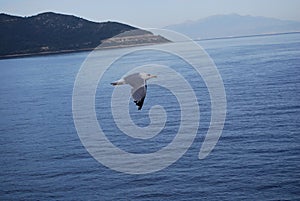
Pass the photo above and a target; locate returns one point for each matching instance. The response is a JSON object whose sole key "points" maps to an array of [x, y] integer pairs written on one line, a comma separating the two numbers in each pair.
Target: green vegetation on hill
{"points": [[50, 32]]}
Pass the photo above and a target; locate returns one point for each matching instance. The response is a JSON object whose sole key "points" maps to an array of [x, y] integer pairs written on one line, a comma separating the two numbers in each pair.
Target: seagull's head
{"points": [[147, 76]]}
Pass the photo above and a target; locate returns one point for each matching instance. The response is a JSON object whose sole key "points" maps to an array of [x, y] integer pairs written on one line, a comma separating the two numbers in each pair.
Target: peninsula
{"points": [[49, 33]]}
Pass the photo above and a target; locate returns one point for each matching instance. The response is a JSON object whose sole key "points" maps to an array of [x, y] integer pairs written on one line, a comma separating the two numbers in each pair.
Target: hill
{"points": [[234, 25], [51, 32]]}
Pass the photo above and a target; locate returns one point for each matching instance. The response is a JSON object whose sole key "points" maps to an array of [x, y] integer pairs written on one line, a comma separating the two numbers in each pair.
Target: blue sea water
{"points": [[256, 158]]}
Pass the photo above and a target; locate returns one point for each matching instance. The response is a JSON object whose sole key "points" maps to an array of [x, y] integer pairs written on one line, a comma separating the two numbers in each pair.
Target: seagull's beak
{"points": [[153, 76]]}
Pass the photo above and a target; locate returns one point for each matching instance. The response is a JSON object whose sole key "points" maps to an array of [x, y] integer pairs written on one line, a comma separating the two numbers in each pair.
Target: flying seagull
{"points": [[139, 86]]}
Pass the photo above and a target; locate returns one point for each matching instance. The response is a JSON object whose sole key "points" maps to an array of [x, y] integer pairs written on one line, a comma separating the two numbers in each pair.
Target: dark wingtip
{"points": [[139, 103]]}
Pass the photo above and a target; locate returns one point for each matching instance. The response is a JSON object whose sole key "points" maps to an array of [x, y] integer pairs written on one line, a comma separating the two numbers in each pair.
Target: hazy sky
{"points": [[154, 13]]}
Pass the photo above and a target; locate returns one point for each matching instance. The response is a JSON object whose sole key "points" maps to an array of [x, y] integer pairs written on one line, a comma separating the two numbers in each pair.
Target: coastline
{"points": [[248, 36], [12, 56], [111, 43], [72, 51], [117, 46]]}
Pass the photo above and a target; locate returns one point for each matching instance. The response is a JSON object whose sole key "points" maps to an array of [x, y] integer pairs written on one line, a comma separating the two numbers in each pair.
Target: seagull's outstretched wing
{"points": [[139, 88], [139, 95]]}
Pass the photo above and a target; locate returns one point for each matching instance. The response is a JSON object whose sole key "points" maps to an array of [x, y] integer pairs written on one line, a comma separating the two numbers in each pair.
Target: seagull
{"points": [[139, 86]]}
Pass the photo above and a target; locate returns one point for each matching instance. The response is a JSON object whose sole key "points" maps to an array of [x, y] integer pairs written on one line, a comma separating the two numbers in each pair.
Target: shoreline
{"points": [[247, 36], [14, 56], [111, 43], [131, 45]]}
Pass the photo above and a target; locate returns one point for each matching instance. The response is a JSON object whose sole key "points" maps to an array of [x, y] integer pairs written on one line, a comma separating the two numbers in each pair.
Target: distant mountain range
{"points": [[55, 33], [234, 25]]}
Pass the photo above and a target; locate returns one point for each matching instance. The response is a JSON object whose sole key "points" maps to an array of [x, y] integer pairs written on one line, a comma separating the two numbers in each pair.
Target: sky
{"points": [[154, 13]]}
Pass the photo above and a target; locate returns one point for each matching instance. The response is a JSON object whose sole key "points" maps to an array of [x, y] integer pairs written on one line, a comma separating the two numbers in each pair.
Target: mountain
{"points": [[234, 25], [51, 32]]}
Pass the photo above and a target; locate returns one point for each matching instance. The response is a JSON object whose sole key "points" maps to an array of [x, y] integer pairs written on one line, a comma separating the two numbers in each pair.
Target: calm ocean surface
{"points": [[256, 158]]}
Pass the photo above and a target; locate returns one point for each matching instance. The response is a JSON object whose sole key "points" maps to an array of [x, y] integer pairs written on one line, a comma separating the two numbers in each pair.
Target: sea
{"points": [[257, 157]]}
